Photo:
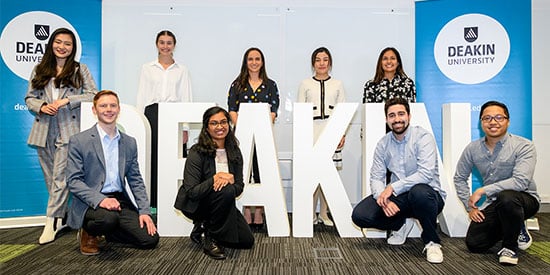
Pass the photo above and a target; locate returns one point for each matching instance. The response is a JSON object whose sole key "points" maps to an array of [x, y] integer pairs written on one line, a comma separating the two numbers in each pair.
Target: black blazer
{"points": [[198, 178]]}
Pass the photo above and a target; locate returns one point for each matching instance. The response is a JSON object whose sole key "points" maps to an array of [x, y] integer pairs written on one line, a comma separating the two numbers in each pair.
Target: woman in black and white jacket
{"points": [[324, 92]]}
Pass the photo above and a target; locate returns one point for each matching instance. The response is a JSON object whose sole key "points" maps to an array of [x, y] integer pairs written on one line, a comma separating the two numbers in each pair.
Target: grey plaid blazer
{"points": [[68, 116]]}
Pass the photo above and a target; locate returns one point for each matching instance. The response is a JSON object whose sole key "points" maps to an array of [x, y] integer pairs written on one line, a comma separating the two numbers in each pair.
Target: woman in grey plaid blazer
{"points": [[57, 86]]}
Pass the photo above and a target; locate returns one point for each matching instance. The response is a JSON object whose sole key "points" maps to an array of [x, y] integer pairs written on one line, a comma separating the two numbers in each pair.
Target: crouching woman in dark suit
{"points": [[212, 179]]}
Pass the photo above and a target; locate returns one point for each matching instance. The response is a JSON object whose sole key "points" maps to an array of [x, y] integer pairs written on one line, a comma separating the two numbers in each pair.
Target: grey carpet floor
{"points": [[325, 253]]}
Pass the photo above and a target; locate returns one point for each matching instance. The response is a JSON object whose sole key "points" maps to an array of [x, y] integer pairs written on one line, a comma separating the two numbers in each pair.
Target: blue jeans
{"points": [[421, 202], [503, 221]]}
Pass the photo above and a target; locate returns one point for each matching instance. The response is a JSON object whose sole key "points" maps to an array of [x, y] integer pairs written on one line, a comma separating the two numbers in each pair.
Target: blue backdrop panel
{"points": [[22, 187], [462, 56]]}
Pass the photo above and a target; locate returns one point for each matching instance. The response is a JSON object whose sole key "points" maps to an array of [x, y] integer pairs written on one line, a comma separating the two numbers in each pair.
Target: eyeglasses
{"points": [[215, 124], [497, 118]]}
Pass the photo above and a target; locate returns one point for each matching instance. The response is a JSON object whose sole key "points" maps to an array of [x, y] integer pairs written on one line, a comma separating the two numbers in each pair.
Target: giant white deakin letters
{"points": [[312, 161]]}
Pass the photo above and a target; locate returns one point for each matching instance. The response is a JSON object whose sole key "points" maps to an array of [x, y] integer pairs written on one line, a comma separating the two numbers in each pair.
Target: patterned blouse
{"points": [[266, 93], [399, 86]]}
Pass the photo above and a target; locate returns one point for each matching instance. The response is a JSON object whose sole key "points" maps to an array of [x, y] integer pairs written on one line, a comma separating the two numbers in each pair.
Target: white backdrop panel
{"points": [[213, 35]]}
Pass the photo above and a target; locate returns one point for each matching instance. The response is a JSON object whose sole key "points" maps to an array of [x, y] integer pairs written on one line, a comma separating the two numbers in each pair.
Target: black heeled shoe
{"points": [[257, 227], [212, 249], [196, 233]]}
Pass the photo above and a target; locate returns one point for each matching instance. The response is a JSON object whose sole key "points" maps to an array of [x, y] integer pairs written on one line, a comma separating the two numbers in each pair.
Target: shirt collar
{"points": [[318, 80], [501, 141], [103, 134], [396, 77], [156, 63]]}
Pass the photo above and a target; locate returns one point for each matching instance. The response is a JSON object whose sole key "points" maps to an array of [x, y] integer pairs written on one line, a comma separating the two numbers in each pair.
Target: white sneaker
{"points": [[434, 254], [524, 238], [507, 257], [400, 236]]}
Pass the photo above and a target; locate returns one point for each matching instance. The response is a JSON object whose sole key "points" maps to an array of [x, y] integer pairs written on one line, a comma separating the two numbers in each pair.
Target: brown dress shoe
{"points": [[88, 244]]}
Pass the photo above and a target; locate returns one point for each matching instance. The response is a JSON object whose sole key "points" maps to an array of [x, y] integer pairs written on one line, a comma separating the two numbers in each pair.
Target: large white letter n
{"points": [[313, 165]]}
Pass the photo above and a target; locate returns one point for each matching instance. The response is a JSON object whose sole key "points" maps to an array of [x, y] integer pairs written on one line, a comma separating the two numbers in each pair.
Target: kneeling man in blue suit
{"points": [[109, 195]]}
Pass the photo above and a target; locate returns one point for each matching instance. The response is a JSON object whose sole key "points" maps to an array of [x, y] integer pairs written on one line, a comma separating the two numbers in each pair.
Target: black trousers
{"points": [[421, 202], [151, 112], [503, 221], [222, 220], [119, 226]]}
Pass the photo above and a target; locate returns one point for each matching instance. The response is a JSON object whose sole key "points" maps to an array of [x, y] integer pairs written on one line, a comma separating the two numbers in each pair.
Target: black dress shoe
{"points": [[212, 249], [196, 233]]}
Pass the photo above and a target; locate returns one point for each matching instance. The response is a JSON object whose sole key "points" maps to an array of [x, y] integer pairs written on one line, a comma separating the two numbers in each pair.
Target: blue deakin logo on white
{"points": [[24, 40], [472, 48]]}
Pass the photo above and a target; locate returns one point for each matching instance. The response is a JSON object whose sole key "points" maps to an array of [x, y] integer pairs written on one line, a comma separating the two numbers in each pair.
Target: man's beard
{"points": [[402, 130]]}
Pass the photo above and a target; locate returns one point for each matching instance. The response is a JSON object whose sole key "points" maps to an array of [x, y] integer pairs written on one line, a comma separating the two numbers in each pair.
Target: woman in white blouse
{"points": [[162, 80]]}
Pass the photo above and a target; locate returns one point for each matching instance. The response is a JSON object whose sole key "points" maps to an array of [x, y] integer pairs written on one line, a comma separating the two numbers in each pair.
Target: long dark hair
{"points": [[206, 145], [380, 71], [242, 80], [47, 68]]}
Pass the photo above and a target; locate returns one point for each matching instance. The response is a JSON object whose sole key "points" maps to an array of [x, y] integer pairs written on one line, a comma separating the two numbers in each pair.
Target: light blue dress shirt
{"points": [[412, 161], [110, 152], [510, 166]]}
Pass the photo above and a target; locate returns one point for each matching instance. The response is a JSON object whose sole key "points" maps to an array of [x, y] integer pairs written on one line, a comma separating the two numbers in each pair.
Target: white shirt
{"points": [[55, 91], [159, 85], [222, 164]]}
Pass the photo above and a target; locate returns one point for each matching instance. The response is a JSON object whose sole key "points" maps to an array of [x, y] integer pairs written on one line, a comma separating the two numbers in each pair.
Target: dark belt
{"points": [[117, 195]]}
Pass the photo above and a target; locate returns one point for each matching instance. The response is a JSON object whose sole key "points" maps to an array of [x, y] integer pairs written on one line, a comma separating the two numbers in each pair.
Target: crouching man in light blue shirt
{"points": [[410, 154], [506, 164]]}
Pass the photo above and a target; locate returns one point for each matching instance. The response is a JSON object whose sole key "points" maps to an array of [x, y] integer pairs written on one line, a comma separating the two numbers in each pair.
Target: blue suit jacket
{"points": [[86, 174]]}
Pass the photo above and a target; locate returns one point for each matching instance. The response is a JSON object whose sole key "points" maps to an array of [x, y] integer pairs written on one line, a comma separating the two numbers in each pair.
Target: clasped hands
{"points": [[221, 179], [389, 207], [52, 108]]}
